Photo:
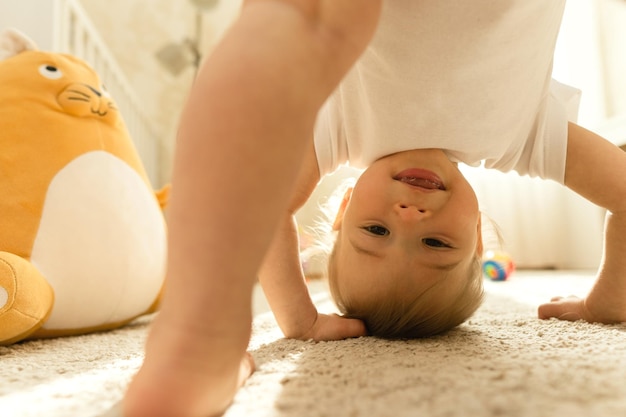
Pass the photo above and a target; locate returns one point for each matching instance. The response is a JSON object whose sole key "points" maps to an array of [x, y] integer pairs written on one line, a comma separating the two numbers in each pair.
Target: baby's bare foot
{"points": [[186, 374]]}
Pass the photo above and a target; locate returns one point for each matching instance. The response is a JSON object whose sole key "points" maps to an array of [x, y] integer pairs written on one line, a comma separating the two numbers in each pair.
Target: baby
{"points": [[433, 89], [441, 83]]}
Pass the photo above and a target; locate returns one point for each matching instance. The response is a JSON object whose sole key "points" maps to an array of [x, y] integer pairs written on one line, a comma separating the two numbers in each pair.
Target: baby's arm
{"points": [[596, 169], [283, 279]]}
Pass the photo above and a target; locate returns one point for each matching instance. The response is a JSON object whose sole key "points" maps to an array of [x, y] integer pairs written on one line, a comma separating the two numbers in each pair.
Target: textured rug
{"points": [[503, 362]]}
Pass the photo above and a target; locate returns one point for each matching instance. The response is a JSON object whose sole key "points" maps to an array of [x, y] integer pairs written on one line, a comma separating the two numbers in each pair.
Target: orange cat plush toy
{"points": [[82, 234]]}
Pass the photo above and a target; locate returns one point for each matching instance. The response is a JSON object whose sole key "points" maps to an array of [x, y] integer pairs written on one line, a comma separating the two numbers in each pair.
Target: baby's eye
{"points": [[376, 230], [435, 243]]}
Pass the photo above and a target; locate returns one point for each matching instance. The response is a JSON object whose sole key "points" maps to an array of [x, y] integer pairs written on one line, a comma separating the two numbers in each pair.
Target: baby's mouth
{"points": [[421, 178]]}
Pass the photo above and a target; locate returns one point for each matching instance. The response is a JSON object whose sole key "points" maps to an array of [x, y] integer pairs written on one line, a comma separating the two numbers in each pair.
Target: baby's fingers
{"points": [[353, 328], [335, 327], [569, 308]]}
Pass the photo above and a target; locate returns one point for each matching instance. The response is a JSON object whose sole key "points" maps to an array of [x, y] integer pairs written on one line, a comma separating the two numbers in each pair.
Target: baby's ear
{"points": [[13, 42], [342, 209]]}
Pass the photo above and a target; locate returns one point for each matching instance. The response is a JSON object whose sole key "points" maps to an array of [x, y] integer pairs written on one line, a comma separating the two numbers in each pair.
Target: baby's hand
{"points": [[334, 327], [565, 308], [573, 308]]}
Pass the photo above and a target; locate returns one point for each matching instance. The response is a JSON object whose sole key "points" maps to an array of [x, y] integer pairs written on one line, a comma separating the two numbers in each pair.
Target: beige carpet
{"points": [[503, 362]]}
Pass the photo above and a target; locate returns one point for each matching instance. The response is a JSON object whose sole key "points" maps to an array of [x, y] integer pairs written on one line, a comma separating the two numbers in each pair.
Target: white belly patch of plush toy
{"points": [[82, 234], [109, 231]]}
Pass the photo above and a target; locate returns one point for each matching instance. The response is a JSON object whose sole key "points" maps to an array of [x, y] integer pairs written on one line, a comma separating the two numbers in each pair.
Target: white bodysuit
{"points": [[471, 77]]}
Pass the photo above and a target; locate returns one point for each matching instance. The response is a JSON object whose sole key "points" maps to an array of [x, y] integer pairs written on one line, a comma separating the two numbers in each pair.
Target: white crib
{"points": [[63, 26]]}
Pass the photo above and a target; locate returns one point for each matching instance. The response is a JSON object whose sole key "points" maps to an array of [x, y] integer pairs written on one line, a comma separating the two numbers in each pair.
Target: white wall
{"points": [[38, 26]]}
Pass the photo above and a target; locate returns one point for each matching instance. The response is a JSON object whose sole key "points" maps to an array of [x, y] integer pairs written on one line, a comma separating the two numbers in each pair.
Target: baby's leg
{"points": [[242, 138]]}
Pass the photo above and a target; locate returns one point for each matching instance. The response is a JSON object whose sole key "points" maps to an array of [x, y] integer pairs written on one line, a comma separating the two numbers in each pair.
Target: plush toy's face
{"points": [[81, 99], [58, 81], [56, 95], [53, 109]]}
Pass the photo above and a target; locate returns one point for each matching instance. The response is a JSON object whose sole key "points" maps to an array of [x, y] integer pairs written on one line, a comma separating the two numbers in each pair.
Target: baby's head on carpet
{"points": [[406, 257]]}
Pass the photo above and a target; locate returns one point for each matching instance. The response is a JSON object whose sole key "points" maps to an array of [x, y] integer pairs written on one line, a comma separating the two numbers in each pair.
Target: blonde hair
{"points": [[391, 318]]}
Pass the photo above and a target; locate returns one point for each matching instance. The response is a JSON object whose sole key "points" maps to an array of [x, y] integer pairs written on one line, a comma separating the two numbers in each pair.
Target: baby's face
{"points": [[411, 216]]}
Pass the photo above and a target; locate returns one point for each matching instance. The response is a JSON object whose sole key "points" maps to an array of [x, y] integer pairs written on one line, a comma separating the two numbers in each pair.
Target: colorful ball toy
{"points": [[497, 265]]}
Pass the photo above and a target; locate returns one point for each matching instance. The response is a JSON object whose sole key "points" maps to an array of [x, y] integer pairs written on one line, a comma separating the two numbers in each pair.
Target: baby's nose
{"points": [[410, 212]]}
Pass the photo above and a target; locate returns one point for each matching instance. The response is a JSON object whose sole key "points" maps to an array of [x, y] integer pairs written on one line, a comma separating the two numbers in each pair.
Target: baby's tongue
{"points": [[420, 182], [421, 178]]}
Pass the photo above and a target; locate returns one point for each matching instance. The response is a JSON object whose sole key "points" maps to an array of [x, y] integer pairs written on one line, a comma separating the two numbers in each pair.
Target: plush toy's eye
{"points": [[50, 71]]}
